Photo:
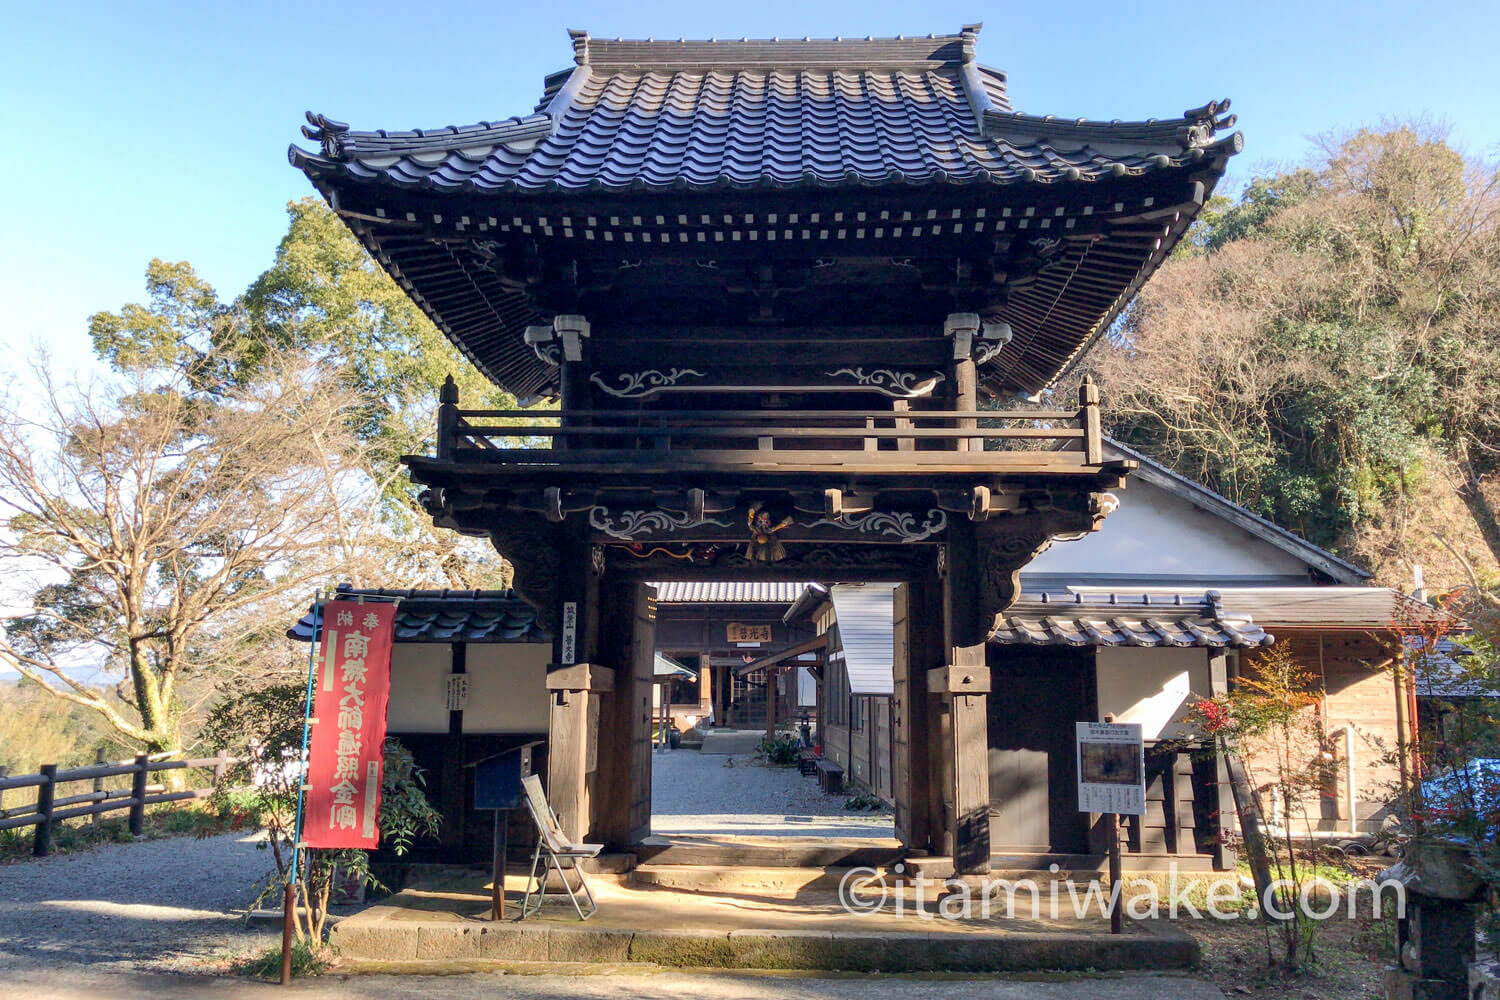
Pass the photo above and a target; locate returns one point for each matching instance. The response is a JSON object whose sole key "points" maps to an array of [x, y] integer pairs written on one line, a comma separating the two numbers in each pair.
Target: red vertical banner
{"points": [[346, 753]]}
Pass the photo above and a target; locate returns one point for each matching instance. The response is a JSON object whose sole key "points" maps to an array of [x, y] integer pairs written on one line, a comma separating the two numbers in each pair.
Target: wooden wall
{"points": [[1359, 697]]}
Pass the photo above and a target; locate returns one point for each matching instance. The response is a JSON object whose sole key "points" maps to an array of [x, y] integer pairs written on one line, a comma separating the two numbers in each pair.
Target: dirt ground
{"points": [[1351, 959]]}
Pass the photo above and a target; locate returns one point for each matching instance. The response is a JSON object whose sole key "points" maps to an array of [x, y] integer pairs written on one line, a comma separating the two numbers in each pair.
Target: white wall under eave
{"points": [[1154, 533], [507, 687], [419, 687], [1155, 687]]}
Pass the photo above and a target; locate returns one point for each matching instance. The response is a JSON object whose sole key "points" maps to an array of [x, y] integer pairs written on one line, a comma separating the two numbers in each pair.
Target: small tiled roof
{"points": [[691, 115], [445, 616], [1073, 620], [727, 592]]}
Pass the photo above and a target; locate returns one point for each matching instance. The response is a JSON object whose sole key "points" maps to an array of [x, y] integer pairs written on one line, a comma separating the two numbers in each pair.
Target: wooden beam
{"points": [[774, 659]]}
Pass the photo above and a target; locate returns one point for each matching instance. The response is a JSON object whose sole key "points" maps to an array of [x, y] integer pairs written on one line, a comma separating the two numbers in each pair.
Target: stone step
{"points": [[767, 852], [417, 946], [710, 878]]}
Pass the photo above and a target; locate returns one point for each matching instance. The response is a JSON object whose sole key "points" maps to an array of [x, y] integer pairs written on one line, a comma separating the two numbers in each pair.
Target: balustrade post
{"points": [[447, 428], [1088, 420], [41, 843]]}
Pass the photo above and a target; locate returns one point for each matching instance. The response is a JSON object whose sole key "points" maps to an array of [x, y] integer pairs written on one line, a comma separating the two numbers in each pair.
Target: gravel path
{"points": [[168, 905], [701, 793]]}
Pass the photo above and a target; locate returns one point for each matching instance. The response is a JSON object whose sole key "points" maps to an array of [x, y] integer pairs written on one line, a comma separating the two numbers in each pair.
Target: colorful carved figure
{"points": [[764, 546]]}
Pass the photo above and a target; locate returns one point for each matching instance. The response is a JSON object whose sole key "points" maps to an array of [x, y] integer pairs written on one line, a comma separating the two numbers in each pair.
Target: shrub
{"points": [[783, 751]]}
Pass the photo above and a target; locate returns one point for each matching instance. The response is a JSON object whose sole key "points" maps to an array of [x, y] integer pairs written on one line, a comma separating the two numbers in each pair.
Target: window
{"points": [[856, 711]]}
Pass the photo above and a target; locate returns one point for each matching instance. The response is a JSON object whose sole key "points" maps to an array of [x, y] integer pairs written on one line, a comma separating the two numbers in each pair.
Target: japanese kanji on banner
{"points": [[346, 754]]}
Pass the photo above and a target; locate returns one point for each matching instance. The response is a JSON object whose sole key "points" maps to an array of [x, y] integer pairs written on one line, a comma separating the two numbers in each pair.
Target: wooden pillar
{"points": [[452, 804], [771, 705], [572, 678], [705, 687], [1218, 683], [963, 329], [964, 682]]}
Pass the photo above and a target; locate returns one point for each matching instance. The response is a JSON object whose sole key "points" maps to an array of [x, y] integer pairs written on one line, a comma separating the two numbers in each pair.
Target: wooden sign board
{"points": [[458, 692], [1111, 768], [569, 633], [738, 633]]}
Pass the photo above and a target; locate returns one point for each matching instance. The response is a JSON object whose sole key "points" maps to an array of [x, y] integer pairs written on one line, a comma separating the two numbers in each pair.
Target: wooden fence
{"points": [[50, 808]]}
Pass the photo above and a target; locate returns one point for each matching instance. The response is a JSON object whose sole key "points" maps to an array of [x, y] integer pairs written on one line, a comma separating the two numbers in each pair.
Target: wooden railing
{"points": [[622, 436], [50, 808]]}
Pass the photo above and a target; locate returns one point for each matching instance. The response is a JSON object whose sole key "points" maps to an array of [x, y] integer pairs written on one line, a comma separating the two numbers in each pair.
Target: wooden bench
{"points": [[830, 776]]}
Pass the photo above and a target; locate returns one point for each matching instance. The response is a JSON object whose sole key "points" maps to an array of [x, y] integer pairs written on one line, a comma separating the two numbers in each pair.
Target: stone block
{"points": [[687, 949], [768, 949], [587, 944]]}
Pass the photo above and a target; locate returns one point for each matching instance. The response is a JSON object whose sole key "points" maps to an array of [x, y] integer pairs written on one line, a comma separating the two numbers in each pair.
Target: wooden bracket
{"points": [[958, 680], [580, 677]]}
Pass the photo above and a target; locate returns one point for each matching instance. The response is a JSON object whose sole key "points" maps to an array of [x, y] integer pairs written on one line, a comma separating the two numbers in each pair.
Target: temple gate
{"points": [[784, 293]]}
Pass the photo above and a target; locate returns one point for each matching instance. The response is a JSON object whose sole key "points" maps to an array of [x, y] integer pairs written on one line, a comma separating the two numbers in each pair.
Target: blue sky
{"points": [[140, 130]]}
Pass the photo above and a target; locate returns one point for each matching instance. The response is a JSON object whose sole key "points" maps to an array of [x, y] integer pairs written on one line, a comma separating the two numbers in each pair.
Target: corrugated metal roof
{"points": [[1075, 620], [726, 592], [867, 633], [1371, 608], [446, 616]]}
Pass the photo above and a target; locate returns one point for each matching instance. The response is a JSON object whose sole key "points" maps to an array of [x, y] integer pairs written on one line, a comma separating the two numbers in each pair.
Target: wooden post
{"points": [[288, 903], [903, 424], [221, 767], [770, 705], [1088, 420], [99, 760], [497, 868], [41, 843], [138, 794], [1248, 806], [1225, 858], [1116, 891], [4, 773], [447, 428], [966, 744]]}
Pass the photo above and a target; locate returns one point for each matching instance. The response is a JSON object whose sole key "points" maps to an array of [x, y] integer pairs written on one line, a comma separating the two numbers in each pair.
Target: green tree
{"points": [[1326, 351]]}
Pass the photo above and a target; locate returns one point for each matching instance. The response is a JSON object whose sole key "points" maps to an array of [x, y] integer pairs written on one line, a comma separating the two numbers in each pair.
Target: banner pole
{"points": [[289, 897]]}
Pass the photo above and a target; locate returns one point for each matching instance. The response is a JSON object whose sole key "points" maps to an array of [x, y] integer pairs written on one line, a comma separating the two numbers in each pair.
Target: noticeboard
{"points": [[1111, 768]]}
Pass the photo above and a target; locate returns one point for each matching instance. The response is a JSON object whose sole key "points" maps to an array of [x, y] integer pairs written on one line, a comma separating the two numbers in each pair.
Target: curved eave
{"points": [[317, 165]]}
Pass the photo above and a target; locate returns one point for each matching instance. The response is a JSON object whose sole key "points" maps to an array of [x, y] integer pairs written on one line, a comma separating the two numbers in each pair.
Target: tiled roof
{"points": [[446, 616], [778, 113], [726, 592], [893, 149], [1073, 620]]}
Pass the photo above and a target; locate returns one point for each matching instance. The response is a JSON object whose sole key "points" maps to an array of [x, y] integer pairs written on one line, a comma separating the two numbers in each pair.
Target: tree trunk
{"points": [[1471, 492]]}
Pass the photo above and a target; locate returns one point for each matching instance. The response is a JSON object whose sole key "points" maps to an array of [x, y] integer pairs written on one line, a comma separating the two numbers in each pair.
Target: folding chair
{"points": [[554, 852]]}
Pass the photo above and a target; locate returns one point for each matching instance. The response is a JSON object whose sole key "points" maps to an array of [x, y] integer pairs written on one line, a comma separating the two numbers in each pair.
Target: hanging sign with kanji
{"points": [[346, 754]]}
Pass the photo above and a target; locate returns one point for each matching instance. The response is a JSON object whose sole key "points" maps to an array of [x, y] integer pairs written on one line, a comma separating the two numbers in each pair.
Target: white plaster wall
{"points": [[1154, 533], [507, 687], [419, 687], [1154, 687]]}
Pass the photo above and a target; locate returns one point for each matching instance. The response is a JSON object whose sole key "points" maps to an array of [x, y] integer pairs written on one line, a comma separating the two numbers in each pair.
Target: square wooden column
{"points": [[575, 681], [964, 683]]}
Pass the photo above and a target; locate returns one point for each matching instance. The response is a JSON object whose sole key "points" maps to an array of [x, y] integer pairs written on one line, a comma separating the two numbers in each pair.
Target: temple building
{"points": [[770, 285]]}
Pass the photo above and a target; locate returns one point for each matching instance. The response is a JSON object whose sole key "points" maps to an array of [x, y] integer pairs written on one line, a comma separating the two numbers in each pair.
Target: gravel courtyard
{"points": [[693, 792], [168, 905]]}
